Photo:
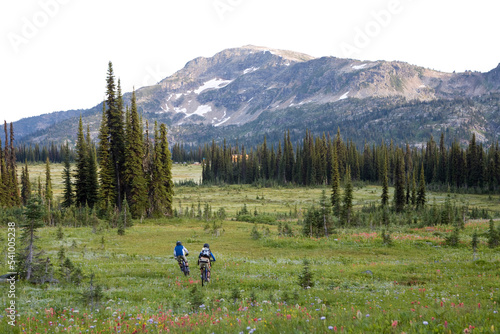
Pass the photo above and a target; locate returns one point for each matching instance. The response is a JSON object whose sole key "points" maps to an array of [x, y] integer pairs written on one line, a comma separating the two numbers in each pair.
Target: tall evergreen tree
{"points": [[106, 170], [15, 195], [166, 160], [413, 198], [134, 172], [385, 185], [25, 184], [325, 209], [157, 193], [68, 196], [399, 184], [347, 199], [82, 167], [335, 196], [92, 184], [49, 194], [421, 190], [114, 115]]}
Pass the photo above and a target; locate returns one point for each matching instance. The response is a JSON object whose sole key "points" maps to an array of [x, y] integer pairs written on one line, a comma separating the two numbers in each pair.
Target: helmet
{"points": [[206, 246], [179, 243]]}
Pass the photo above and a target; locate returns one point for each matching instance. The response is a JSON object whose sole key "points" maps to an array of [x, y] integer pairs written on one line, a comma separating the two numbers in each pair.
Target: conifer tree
{"points": [[474, 245], [125, 218], [106, 171], [421, 190], [335, 197], [25, 184], [413, 198], [157, 193], [29, 257], [68, 199], [49, 195], [114, 116], [166, 161], [347, 199], [134, 173], [82, 167], [92, 183], [399, 183], [326, 209], [385, 185], [493, 235], [15, 196]]}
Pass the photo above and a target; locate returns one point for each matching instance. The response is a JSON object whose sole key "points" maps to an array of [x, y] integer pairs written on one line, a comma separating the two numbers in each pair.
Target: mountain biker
{"points": [[180, 252], [204, 259]]}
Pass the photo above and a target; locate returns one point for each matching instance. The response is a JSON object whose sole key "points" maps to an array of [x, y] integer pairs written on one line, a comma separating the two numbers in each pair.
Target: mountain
{"points": [[244, 93]]}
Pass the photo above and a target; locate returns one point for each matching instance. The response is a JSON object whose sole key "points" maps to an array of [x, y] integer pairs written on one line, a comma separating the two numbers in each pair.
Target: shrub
{"points": [[255, 234], [454, 238], [386, 238], [306, 276]]}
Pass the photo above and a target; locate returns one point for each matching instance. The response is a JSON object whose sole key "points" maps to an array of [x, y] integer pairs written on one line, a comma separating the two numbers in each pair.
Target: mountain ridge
{"points": [[241, 86]]}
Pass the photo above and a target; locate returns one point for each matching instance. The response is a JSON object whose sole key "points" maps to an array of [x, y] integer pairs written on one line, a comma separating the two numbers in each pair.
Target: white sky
{"points": [[54, 53]]}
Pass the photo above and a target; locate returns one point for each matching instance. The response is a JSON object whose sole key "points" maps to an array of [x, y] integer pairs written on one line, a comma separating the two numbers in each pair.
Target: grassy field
{"points": [[359, 284], [270, 200]]}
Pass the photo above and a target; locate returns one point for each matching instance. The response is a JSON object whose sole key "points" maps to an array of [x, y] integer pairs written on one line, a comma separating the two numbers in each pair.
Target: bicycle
{"points": [[205, 275], [182, 265]]}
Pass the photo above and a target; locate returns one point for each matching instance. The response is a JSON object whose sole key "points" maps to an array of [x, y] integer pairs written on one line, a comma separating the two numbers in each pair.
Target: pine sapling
{"points": [[306, 276], [474, 244]]}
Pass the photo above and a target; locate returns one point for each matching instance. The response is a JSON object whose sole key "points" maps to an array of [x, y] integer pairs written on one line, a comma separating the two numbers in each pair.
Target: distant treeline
{"points": [[37, 153], [309, 162]]}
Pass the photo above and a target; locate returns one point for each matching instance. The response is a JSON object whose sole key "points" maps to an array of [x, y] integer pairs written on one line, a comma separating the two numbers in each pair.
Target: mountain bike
{"points": [[205, 275], [182, 265]]}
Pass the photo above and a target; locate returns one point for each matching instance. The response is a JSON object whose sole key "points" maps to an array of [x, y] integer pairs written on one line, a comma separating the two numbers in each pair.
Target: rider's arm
{"points": [[213, 257], [186, 251]]}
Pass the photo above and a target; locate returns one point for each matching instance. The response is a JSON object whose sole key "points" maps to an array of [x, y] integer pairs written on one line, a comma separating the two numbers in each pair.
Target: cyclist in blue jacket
{"points": [[180, 252], [204, 259]]}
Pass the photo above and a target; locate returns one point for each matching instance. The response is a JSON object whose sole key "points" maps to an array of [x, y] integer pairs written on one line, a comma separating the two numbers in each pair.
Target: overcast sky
{"points": [[54, 53]]}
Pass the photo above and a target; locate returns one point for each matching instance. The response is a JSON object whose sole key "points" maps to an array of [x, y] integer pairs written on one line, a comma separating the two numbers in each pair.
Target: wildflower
{"points": [[330, 327], [323, 318], [394, 324], [445, 324], [425, 323]]}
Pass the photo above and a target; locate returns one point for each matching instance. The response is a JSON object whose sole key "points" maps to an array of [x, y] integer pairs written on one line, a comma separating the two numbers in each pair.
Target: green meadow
{"points": [[357, 283]]}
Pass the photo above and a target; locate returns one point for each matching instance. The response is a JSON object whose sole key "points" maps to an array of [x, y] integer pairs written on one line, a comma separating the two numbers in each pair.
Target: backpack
{"points": [[205, 252]]}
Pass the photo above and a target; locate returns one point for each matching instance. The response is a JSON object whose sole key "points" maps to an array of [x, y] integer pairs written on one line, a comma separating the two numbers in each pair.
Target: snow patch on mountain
{"points": [[213, 84], [344, 96], [178, 110], [250, 70], [202, 110], [359, 67], [224, 119]]}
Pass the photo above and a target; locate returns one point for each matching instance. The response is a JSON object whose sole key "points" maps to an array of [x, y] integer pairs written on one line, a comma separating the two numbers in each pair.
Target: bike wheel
{"points": [[203, 277]]}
